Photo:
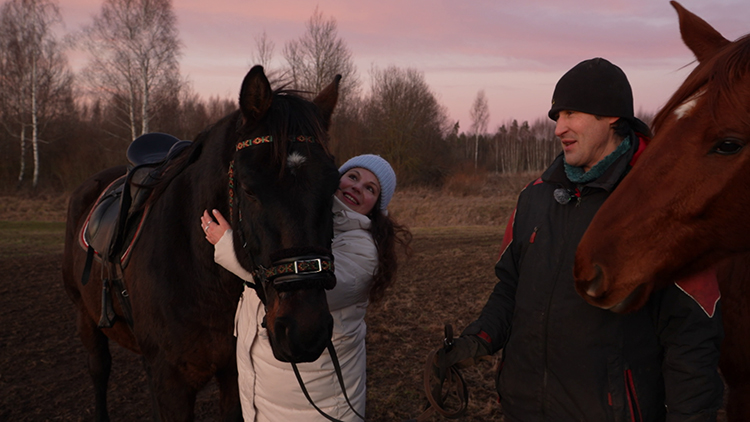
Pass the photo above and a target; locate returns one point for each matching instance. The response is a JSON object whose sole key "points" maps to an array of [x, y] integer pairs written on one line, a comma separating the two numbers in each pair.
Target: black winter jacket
{"points": [[565, 360]]}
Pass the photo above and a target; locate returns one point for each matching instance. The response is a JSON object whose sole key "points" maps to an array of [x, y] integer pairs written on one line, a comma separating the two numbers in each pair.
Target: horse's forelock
{"points": [[719, 77], [289, 116]]}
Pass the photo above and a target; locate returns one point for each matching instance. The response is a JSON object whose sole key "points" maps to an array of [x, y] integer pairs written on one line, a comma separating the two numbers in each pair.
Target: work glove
{"points": [[463, 352], [445, 387]]}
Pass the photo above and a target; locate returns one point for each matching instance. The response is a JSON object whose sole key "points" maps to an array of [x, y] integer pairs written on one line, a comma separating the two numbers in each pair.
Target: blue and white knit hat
{"points": [[381, 169]]}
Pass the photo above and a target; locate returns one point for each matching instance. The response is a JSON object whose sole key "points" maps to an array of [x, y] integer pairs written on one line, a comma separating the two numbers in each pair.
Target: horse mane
{"points": [[718, 76], [169, 170]]}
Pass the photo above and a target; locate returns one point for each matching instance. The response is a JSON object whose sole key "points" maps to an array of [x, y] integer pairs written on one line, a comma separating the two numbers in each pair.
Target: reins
{"points": [[337, 368], [450, 377]]}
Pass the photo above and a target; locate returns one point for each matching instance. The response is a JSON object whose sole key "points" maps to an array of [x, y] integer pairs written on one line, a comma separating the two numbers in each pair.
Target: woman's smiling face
{"points": [[359, 189]]}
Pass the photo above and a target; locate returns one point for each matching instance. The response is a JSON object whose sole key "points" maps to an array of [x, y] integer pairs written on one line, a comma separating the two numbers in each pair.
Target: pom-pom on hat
{"points": [[381, 169]]}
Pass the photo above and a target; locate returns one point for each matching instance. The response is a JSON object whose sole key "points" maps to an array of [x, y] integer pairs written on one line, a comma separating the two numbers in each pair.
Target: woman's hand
{"points": [[214, 229]]}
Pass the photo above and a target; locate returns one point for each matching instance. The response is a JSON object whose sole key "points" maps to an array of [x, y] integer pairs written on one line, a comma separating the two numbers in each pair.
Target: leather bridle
{"points": [[293, 273], [299, 271], [288, 273]]}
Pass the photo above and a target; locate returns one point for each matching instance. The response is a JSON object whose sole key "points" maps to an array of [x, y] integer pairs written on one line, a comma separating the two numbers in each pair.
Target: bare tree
{"points": [[134, 51], [318, 56], [480, 115], [263, 51], [407, 125], [35, 80]]}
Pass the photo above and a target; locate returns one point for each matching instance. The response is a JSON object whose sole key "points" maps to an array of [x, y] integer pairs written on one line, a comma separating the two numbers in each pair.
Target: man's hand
{"points": [[463, 352]]}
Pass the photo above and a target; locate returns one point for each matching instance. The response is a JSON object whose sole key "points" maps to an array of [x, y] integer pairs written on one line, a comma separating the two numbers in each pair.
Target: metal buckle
{"points": [[297, 263]]}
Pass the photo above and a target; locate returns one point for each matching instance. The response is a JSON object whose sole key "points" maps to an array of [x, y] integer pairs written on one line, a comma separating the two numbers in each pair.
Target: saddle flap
{"points": [[101, 224]]}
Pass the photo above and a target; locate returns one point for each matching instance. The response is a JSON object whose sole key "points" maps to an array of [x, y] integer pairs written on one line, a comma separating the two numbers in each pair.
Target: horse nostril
{"points": [[595, 289]]}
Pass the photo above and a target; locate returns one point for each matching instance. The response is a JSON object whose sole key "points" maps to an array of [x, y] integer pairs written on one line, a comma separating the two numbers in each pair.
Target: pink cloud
{"points": [[515, 50]]}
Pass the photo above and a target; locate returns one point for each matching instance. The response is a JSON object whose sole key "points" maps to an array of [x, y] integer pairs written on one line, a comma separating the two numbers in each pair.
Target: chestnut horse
{"points": [[267, 166], [682, 210]]}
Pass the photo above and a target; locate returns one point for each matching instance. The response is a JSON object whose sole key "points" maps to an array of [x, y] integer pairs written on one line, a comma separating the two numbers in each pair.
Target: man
{"points": [[565, 360]]}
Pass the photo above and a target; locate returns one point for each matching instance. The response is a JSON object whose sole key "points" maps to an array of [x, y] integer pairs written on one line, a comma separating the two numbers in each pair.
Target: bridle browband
{"points": [[252, 142]]}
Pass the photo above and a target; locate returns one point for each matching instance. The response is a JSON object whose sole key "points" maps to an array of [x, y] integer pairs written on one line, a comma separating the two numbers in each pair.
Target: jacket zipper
{"points": [[635, 409]]}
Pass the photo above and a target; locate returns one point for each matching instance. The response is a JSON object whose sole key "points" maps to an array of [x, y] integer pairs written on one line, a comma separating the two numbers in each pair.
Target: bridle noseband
{"points": [[294, 273]]}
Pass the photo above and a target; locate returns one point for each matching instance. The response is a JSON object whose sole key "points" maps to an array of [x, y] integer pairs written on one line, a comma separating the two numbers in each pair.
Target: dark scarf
{"points": [[579, 176]]}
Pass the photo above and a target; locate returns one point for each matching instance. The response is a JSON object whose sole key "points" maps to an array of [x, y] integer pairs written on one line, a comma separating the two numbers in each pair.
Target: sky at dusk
{"points": [[514, 50]]}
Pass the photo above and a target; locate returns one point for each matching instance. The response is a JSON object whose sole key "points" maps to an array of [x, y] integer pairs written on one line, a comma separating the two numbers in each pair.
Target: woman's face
{"points": [[359, 189]]}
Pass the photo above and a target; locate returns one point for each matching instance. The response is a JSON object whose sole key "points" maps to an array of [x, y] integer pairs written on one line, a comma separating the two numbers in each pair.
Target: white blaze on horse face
{"points": [[686, 108], [295, 161]]}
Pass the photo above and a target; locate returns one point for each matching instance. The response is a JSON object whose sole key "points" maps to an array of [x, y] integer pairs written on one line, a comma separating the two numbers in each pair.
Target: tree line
{"points": [[59, 127]]}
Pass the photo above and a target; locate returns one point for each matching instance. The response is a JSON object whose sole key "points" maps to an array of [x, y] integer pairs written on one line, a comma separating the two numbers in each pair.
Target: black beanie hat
{"points": [[598, 87]]}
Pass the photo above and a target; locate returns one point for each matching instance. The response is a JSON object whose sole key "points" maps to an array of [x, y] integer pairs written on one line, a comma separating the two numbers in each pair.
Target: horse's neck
{"points": [[734, 277]]}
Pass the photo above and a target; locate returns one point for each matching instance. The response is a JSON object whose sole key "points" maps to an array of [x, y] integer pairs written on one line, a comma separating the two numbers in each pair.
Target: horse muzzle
{"points": [[298, 320], [293, 342]]}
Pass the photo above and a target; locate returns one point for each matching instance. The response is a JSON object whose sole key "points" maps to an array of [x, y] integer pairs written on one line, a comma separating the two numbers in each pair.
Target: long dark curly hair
{"points": [[387, 234]]}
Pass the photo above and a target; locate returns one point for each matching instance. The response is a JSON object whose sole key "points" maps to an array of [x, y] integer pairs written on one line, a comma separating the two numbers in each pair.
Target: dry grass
{"points": [[48, 207], [467, 199], [457, 235], [447, 280]]}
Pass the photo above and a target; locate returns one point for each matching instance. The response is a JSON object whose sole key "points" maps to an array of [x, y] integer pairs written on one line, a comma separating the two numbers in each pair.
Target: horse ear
{"points": [[327, 98], [698, 35], [255, 95]]}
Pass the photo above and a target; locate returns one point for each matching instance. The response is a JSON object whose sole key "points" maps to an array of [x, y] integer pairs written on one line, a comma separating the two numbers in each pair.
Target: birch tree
{"points": [[35, 79], [480, 115], [134, 51]]}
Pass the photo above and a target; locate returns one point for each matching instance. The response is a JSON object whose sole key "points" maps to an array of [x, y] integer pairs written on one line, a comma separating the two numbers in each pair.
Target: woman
{"points": [[364, 250]]}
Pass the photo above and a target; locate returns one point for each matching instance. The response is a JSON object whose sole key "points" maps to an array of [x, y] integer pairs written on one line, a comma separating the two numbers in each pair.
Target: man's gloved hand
{"points": [[463, 353]]}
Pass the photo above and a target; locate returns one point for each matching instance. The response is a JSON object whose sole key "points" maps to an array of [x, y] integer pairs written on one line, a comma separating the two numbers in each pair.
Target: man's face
{"points": [[586, 139]]}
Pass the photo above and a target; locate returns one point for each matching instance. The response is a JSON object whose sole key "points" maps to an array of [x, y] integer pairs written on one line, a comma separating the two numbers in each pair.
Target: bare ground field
{"points": [[457, 237]]}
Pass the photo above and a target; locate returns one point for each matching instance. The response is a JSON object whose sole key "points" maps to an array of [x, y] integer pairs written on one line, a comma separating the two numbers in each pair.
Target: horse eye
{"points": [[728, 146], [248, 192]]}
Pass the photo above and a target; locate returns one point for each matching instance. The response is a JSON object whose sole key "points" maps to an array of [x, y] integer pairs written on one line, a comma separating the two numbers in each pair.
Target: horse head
{"points": [[282, 181], [682, 207]]}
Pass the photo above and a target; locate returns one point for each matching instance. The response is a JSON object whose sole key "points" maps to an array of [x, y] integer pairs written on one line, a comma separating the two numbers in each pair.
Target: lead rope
{"points": [[451, 377], [340, 377]]}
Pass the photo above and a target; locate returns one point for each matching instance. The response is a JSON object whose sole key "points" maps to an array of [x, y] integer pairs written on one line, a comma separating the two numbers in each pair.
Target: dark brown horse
{"points": [[683, 209], [268, 167]]}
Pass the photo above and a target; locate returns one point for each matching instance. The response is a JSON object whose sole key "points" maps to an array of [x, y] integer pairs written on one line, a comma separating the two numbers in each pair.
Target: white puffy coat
{"points": [[268, 388]]}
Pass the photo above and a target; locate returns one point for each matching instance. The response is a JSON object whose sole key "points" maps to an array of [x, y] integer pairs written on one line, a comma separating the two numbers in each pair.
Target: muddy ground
{"points": [[43, 367]]}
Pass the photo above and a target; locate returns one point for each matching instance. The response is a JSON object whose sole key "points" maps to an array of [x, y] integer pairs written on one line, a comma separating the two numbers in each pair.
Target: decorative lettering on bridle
{"points": [[288, 273], [291, 273]]}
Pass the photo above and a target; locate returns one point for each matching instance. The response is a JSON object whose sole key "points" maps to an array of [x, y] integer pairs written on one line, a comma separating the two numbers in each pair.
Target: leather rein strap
{"points": [[340, 377], [450, 377]]}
